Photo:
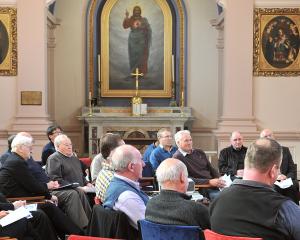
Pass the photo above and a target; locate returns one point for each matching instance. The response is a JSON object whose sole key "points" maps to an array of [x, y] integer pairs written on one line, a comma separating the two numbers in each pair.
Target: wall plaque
{"points": [[31, 98]]}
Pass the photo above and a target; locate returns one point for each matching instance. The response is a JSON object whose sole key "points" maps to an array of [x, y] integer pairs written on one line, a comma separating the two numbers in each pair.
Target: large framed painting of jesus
{"points": [[136, 35], [8, 41], [276, 42]]}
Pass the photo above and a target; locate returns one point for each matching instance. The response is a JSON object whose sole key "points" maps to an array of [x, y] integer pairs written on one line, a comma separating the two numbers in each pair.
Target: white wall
{"points": [[202, 63], [69, 68]]}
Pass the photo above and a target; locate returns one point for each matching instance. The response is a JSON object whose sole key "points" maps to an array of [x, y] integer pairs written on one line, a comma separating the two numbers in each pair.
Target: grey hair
{"points": [[170, 172], [122, 156], [179, 134], [263, 154], [59, 139], [162, 130], [20, 140]]}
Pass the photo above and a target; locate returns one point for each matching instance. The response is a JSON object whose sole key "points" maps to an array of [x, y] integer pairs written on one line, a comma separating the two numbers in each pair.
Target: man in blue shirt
{"points": [[164, 150], [148, 171]]}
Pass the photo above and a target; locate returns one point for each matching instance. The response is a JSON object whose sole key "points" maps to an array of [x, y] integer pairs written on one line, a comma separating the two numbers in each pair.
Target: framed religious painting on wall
{"points": [[8, 41], [136, 35], [276, 42]]}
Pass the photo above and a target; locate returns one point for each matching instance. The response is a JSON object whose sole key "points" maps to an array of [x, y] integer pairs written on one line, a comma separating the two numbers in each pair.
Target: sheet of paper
{"points": [[284, 183], [31, 207], [227, 180], [14, 216]]}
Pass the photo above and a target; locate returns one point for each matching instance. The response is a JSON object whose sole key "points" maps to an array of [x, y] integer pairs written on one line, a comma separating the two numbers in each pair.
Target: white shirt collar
{"points": [[182, 152], [131, 182]]}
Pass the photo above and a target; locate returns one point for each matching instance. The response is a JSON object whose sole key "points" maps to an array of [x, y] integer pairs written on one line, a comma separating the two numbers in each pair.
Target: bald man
{"points": [[172, 205], [250, 206], [287, 169], [123, 193], [231, 159]]}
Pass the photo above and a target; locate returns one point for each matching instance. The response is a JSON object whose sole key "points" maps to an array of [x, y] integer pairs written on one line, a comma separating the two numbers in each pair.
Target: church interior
{"points": [[205, 68], [213, 73]]}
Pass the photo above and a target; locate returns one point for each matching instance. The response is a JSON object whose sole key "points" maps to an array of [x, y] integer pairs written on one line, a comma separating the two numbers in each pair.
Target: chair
{"points": [[87, 162], [35, 199], [211, 235], [150, 231], [77, 237], [111, 224], [148, 183]]}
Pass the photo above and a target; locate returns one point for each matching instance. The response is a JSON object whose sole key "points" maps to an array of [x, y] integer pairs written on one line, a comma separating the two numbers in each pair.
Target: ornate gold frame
{"points": [[105, 91], [8, 16], [263, 16]]}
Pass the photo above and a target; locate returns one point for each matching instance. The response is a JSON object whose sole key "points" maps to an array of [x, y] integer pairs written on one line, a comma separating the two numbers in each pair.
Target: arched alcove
{"points": [[97, 23]]}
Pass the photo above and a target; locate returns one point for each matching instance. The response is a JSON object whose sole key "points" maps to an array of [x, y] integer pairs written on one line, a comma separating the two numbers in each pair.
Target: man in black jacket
{"points": [[16, 180], [250, 206], [287, 170], [231, 159]]}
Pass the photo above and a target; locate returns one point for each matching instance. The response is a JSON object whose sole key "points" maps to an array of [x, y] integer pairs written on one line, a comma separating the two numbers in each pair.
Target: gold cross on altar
{"points": [[137, 74]]}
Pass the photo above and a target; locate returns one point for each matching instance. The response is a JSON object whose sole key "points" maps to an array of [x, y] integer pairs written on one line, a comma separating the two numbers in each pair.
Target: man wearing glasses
{"points": [[164, 150]]}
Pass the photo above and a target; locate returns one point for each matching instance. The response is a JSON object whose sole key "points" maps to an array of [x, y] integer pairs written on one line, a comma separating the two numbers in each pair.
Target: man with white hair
{"points": [[250, 206], [198, 166], [287, 170], [68, 199], [123, 193], [231, 159], [16, 180], [172, 205], [63, 166]]}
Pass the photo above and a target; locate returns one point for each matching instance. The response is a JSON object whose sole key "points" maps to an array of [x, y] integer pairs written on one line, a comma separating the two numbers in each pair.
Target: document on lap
{"points": [[14, 216]]}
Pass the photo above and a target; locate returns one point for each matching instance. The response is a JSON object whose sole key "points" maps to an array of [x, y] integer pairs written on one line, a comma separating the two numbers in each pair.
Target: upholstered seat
{"points": [[150, 231], [211, 235]]}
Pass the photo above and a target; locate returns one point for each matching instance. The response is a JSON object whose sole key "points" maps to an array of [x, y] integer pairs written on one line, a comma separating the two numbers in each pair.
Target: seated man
{"points": [[107, 144], [123, 193], [37, 227], [287, 170], [172, 205], [52, 133], [63, 166], [250, 207], [164, 150], [16, 180], [5, 155], [198, 166], [68, 200], [231, 159], [148, 171]]}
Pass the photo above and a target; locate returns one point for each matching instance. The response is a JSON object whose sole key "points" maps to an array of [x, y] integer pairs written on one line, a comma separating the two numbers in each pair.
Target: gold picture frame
{"points": [[276, 42], [115, 81], [8, 41]]}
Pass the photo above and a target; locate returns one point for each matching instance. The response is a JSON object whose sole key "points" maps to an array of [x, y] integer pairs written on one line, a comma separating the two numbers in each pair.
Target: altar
{"points": [[136, 130]]}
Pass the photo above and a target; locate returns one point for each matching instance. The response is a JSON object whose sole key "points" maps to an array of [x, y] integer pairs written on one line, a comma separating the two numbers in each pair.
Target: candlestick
{"points": [[173, 69], [182, 99], [99, 69], [90, 95]]}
